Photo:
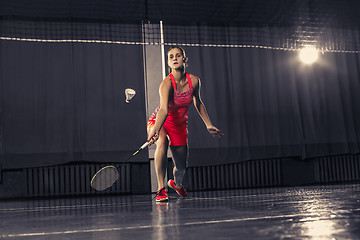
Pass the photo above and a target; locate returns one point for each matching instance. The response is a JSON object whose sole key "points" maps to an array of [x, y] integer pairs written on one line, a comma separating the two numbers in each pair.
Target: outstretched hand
{"points": [[215, 132]]}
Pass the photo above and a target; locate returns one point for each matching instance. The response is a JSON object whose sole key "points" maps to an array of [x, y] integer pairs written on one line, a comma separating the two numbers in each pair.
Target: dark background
{"points": [[64, 101]]}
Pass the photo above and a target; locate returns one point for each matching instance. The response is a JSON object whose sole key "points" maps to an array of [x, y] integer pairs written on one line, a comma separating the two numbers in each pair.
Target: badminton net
{"points": [[283, 25]]}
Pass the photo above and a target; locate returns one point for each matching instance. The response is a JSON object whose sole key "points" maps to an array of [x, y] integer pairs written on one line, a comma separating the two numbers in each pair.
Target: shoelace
{"points": [[157, 193]]}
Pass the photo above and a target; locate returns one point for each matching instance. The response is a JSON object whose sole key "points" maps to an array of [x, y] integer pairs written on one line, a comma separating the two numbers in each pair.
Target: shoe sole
{"points": [[175, 189], [162, 200]]}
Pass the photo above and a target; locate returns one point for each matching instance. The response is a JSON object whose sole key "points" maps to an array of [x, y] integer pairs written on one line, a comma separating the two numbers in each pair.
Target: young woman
{"points": [[167, 126]]}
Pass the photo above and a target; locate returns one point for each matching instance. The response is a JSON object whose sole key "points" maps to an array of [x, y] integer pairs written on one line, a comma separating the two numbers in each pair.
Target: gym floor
{"points": [[308, 212]]}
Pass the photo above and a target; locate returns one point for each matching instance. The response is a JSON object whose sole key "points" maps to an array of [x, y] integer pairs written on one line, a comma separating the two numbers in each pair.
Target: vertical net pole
{"points": [[162, 49]]}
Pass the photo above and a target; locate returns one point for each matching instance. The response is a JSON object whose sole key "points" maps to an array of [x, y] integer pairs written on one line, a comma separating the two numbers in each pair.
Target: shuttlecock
{"points": [[129, 93]]}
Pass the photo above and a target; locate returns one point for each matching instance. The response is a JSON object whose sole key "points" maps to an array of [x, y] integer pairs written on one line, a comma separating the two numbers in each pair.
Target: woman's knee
{"points": [[162, 142], [179, 152]]}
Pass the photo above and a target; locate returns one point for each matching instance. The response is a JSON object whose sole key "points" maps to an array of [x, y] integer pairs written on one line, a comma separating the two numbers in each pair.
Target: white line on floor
{"points": [[146, 226]]}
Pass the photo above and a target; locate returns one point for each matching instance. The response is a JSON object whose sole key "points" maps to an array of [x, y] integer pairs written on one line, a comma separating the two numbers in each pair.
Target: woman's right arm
{"points": [[164, 91]]}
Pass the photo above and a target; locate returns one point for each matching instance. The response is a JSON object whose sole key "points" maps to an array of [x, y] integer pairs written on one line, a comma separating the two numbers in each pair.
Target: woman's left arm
{"points": [[201, 109]]}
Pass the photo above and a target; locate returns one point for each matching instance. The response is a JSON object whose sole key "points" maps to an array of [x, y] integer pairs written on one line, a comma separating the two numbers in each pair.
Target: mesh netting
{"points": [[71, 31], [285, 25]]}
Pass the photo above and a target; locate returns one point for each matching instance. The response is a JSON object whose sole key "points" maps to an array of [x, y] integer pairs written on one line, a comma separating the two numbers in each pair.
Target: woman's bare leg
{"points": [[160, 158]]}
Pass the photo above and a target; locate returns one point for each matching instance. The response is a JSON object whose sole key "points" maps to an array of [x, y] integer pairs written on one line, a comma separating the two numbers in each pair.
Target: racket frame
{"points": [[117, 168]]}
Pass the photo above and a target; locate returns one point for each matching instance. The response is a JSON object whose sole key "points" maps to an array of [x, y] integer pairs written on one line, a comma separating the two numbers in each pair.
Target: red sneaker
{"points": [[161, 195], [181, 191]]}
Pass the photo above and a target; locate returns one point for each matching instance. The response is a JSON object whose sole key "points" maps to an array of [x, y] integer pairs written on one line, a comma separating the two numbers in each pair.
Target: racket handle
{"points": [[144, 145]]}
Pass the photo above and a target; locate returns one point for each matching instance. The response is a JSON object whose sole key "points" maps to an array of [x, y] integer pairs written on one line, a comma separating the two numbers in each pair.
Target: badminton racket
{"points": [[107, 176]]}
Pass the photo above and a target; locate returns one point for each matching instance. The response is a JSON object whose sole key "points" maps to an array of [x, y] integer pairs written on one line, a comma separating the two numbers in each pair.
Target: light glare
{"points": [[308, 54]]}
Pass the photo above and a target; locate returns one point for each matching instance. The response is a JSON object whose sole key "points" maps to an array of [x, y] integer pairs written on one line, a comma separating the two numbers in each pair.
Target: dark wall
{"points": [[65, 102], [244, 12], [269, 104]]}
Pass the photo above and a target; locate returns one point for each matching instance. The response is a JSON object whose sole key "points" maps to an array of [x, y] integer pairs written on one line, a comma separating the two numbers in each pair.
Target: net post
{"points": [[162, 50]]}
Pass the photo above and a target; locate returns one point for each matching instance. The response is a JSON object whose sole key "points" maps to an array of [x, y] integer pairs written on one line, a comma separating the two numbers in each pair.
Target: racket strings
{"points": [[105, 178]]}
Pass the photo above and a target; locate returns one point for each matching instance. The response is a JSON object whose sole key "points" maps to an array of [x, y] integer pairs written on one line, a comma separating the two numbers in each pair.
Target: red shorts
{"points": [[177, 133]]}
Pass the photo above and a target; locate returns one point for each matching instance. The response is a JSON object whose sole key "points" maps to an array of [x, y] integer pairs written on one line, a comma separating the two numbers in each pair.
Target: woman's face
{"points": [[175, 58]]}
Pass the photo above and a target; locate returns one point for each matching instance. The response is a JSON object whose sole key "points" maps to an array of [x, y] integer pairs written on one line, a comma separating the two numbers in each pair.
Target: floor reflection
{"points": [[323, 214], [310, 212]]}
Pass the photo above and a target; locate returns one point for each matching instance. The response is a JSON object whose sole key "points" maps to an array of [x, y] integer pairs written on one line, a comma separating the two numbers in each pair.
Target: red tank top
{"points": [[179, 102]]}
